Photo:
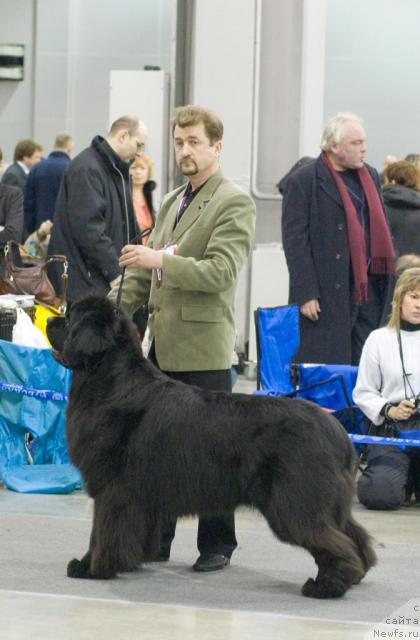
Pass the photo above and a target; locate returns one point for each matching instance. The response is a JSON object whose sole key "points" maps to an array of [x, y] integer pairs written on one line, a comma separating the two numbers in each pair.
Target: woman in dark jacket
{"points": [[402, 201]]}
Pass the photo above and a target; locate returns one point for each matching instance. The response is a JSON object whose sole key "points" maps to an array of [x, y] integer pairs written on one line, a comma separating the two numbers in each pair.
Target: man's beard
{"points": [[189, 172]]}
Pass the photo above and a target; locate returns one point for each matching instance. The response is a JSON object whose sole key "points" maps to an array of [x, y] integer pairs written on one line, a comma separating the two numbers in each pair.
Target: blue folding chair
{"points": [[330, 386]]}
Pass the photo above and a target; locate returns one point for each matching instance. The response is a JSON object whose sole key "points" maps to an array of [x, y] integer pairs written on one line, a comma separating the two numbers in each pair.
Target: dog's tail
{"points": [[363, 543]]}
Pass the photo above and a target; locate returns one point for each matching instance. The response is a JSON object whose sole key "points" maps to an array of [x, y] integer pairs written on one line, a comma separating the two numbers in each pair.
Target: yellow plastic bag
{"points": [[42, 313]]}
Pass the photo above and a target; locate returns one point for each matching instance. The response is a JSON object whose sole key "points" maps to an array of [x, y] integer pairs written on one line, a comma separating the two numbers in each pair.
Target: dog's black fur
{"points": [[151, 449]]}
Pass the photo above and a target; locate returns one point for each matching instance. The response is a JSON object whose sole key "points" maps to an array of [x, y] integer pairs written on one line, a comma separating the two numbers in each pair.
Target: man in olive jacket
{"points": [[188, 272]]}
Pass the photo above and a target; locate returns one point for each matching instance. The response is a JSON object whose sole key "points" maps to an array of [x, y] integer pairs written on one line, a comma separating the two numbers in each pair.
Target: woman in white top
{"points": [[387, 390]]}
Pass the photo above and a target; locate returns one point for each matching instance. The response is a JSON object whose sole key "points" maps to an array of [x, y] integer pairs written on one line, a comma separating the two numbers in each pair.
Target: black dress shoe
{"points": [[211, 562]]}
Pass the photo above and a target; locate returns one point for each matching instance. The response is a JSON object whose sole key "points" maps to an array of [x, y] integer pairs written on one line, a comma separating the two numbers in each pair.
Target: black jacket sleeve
{"points": [[29, 208], [297, 244], [87, 210], [11, 214]]}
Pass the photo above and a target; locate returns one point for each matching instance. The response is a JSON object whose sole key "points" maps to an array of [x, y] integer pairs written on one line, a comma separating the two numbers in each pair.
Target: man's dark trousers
{"points": [[215, 535]]}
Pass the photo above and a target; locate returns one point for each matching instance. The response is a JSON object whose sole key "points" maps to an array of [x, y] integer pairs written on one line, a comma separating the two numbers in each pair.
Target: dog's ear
{"points": [[56, 332], [92, 331], [91, 340]]}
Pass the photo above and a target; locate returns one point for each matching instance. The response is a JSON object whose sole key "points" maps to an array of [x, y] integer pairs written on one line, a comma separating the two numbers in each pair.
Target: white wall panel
{"points": [[145, 94], [269, 285], [16, 27]]}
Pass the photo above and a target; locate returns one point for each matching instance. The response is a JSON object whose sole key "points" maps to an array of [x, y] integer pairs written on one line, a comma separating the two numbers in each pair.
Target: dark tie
{"points": [[186, 199]]}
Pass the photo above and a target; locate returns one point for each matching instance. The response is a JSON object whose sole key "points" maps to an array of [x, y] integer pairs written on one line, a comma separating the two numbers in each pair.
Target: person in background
{"points": [[388, 390], [94, 216], [389, 159], [43, 184], [407, 261], [37, 243], [142, 188], [300, 163], [189, 269], [338, 247], [401, 197], [414, 158], [27, 154], [11, 216]]}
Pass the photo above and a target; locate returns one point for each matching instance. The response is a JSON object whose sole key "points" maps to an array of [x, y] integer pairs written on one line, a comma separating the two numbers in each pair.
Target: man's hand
{"points": [[138, 255], [114, 282], [311, 309], [44, 229]]}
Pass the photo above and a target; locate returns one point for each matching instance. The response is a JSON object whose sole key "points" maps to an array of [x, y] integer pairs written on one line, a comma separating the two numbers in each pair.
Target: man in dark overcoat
{"points": [[338, 247], [94, 216]]}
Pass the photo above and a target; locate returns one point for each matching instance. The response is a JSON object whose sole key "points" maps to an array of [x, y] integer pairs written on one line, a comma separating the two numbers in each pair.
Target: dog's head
{"points": [[91, 328]]}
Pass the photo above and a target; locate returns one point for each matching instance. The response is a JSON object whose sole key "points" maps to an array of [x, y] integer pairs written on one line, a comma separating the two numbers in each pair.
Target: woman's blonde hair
{"points": [[409, 280], [143, 161]]}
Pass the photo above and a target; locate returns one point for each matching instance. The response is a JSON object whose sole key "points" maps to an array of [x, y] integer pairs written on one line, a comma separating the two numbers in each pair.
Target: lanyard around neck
{"points": [[405, 374]]}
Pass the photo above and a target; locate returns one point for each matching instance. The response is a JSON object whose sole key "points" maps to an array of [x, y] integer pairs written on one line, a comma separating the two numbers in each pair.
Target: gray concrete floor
{"points": [[256, 597]]}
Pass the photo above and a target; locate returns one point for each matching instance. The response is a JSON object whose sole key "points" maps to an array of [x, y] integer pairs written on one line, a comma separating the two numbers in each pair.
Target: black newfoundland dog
{"points": [[151, 449]]}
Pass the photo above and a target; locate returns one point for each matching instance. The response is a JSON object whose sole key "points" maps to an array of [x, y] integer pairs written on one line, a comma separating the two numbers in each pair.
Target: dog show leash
{"points": [[143, 234]]}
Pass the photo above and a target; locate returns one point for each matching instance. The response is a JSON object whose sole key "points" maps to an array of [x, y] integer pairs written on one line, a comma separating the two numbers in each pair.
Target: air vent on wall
{"points": [[11, 61]]}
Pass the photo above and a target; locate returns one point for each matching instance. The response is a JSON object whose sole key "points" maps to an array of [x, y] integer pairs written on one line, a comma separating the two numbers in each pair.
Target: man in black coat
{"points": [[94, 215], [338, 247]]}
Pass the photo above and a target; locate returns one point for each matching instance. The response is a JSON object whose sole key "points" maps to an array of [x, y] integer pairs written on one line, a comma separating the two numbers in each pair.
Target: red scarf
{"points": [[381, 247]]}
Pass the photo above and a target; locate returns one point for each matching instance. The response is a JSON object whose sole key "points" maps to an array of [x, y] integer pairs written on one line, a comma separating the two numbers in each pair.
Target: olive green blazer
{"points": [[192, 317]]}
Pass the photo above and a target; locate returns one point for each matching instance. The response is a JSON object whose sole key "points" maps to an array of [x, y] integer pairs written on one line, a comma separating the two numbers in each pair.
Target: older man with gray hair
{"points": [[338, 246]]}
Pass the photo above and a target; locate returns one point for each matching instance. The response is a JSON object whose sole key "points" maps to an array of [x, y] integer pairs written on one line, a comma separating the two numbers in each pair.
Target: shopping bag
{"points": [[26, 333]]}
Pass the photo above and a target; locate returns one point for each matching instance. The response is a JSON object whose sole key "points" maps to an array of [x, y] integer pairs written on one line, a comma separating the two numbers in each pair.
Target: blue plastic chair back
{"points": [[330, 386], [277, 341]]}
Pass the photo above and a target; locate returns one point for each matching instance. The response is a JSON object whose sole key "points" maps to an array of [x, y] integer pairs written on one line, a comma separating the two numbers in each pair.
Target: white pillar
{"points": [[313, 74], [222, 77], [222, 80]]}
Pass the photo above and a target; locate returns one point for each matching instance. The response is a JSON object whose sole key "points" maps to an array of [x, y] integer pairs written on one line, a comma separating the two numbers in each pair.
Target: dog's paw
{"points": [[323, 588], [78, 569]]}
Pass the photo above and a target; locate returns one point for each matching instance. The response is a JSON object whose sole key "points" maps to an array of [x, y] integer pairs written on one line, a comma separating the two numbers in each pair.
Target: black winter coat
{"points": [[93, 219], [148, 189], [318, 257], [11, 218], [15, 176], [403, 209]]}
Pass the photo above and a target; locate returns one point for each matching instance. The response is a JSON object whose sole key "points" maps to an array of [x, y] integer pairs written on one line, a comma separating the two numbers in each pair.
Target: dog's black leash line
{"points": [[143, 234], [119, 294]]}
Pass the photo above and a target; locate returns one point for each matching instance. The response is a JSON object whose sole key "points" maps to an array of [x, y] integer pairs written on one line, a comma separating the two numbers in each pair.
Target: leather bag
{"points": [[25, 274]]}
